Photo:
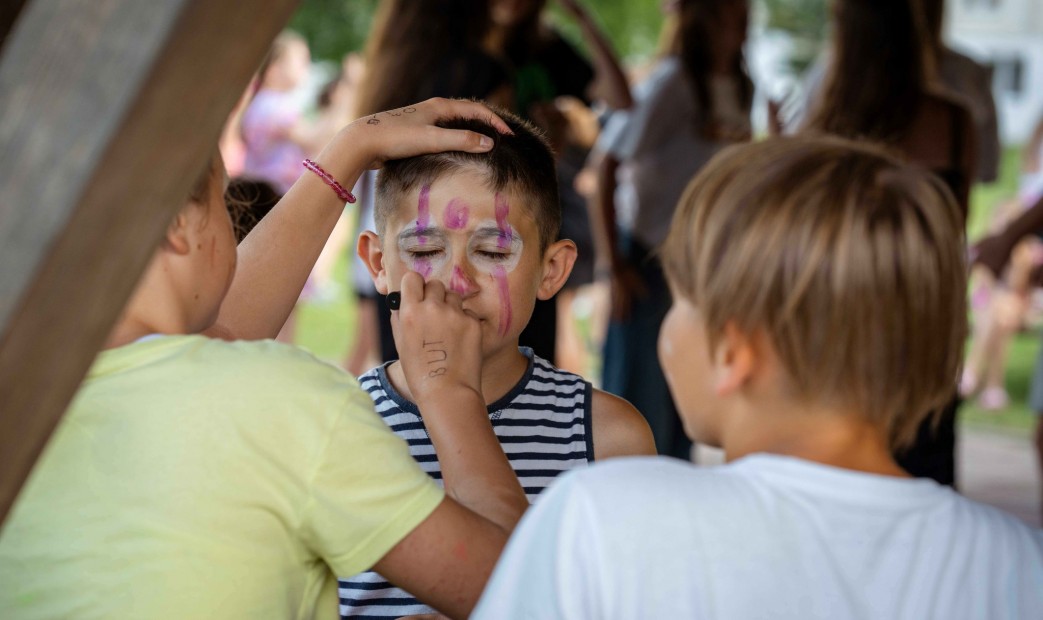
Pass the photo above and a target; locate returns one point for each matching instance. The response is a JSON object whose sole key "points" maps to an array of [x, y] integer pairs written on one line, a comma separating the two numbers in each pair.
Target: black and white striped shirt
{"points": [[543, 424]]}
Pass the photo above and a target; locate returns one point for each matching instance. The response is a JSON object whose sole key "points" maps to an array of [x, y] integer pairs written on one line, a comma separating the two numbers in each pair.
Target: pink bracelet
{"points": [[342, 193]]}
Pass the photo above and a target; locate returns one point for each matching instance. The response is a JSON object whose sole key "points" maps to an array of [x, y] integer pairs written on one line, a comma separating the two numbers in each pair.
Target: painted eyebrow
{"points": [[407, 235], [492, 231]]}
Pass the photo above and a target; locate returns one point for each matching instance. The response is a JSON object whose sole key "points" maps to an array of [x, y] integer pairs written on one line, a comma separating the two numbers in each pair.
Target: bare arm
{"points": [[277, 256], [603, 212], [446, 560], [440, 353], [994, 252], [610, 83], [625, 282], [1030, 153], [619, 428]]}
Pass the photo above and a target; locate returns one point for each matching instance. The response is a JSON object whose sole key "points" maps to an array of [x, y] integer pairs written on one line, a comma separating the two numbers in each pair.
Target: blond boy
{"points": [[486, 225], [819, 316]]}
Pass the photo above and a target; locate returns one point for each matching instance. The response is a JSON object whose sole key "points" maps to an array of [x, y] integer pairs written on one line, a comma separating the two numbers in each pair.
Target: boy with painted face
{"points": [[487, 226]]}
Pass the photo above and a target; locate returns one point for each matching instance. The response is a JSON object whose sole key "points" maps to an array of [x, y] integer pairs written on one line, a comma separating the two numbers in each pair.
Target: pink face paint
{"points": [[459, 283], [500, 275], [424, 268], [423, 210], [456, 214], [503, 209]]}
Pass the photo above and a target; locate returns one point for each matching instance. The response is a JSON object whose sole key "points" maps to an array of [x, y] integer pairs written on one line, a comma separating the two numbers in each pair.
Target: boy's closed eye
{"points": [[424, 252], [493, 254]]}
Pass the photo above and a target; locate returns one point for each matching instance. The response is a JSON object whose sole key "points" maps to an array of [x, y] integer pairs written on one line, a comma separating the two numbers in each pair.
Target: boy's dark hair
{"points": [[522, 163]]}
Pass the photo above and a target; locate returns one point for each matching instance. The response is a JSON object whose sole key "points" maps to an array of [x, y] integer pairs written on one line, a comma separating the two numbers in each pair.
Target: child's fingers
{"points": [[457, 140], [454, 300], [469, 109], [434, 290], [412, 288]]}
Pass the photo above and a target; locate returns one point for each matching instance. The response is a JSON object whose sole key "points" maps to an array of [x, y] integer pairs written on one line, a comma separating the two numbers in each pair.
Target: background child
{"points": [[819, 315], [193, 477], [487, 227], [695, 102]]}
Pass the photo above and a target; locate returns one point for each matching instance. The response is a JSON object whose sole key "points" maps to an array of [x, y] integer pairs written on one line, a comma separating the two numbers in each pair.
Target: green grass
{"points": [[328, 329], [1017, 417]]}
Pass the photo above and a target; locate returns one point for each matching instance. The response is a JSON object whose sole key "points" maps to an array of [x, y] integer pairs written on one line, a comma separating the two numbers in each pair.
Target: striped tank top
{"points": [[543, 424]]}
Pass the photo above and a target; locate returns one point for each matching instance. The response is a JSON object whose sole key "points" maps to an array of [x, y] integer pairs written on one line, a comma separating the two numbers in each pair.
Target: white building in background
{"points": [[1007, 34]]}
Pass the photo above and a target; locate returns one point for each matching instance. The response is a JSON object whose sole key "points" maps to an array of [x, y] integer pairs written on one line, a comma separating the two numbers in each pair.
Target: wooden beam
{"points": [[9, 10], [108, 111]]}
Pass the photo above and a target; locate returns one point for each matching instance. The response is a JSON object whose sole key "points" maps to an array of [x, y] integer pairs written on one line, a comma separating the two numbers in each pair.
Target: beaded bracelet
{"points": [[342, 193]]}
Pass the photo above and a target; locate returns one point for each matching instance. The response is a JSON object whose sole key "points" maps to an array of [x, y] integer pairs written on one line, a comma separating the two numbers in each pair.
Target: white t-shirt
{"points": [[659, 149], [763, 537]]}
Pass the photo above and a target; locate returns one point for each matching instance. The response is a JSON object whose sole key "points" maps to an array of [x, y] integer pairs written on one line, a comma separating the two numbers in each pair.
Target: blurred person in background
{"points": [[696, 101], [278, 135], [549, 78], [1002, 301], [1002, 245], [882, 87]]}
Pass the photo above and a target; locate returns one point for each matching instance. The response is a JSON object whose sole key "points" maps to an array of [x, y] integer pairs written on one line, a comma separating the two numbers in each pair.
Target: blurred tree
{"points": [[632, 27], [334, 27], [806, 21]]}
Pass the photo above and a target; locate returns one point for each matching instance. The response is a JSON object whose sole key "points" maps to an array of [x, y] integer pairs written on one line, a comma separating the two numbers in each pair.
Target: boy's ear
{"points": [[558, 261], [372, 254], [177, 238], [735, 358]]}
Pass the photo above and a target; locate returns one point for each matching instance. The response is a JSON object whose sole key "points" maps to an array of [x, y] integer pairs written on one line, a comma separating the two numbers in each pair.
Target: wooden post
{"points": [[108, 111], [9, 10]]}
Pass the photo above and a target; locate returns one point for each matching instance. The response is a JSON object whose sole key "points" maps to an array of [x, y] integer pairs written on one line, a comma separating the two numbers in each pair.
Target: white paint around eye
{"points": [[427, 267], [440, 265], [514, 246]]}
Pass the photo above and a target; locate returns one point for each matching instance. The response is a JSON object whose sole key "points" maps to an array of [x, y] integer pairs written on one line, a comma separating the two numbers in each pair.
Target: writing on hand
{"points": [[436, 356]]}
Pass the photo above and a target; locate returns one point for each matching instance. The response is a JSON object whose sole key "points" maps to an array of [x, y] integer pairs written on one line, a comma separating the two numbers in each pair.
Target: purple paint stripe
{"points": [[456, 214], [503, 209], [423, 210], [505, 299]]}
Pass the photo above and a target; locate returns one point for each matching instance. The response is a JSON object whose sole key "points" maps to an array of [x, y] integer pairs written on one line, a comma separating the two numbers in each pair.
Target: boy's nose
{"points": [[461, 283]]}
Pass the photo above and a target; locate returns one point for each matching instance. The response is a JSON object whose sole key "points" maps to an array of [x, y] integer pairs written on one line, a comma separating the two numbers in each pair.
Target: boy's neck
{"points": [[501, 371], [834, 438]]}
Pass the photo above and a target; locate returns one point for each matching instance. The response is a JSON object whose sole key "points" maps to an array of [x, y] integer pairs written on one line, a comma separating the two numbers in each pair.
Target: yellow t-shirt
{"points": [[195, 478]]}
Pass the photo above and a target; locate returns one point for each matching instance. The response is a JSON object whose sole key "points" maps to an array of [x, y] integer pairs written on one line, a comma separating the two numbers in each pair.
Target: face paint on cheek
{"points": [[503, 209], [500, 275], [424, 268], [456, 214]]}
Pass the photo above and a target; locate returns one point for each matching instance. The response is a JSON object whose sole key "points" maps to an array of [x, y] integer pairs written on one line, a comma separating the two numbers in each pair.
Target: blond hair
{"points": [[850, 261]]}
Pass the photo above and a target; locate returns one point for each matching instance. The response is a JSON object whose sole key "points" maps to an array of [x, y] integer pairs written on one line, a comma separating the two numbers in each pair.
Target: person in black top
{"points": [[544, 66]]}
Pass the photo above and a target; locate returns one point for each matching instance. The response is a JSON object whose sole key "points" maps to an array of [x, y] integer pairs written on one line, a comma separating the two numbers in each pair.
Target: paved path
{"points": [[1001, 470], [994, 468]]}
